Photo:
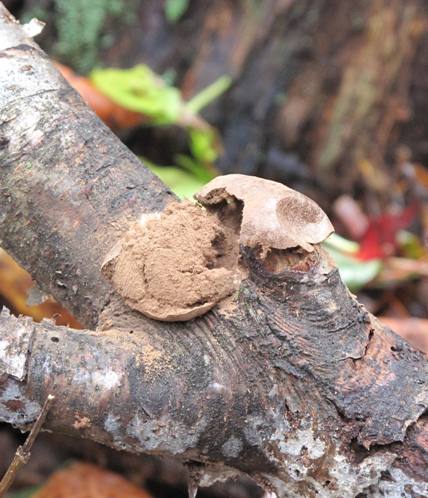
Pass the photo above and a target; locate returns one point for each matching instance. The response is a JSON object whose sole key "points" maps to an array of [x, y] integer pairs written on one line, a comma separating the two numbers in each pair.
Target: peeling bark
{"points": [[299, 387]]}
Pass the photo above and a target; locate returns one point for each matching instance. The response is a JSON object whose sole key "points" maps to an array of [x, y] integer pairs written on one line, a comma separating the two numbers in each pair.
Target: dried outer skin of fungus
{"points": [[274, 216], [173, 266], [178, 264]]}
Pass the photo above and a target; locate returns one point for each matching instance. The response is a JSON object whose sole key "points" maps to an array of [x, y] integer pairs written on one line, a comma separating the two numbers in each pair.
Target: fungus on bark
{"points": [[179, 264], [173, 266]]}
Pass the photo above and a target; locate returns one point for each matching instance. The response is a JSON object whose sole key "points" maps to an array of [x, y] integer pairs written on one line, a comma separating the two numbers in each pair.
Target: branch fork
{"points": [[294, 383]]}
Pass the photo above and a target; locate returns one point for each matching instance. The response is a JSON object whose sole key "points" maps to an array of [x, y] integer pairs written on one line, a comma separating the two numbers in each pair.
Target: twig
{"points": [[23, 452]]}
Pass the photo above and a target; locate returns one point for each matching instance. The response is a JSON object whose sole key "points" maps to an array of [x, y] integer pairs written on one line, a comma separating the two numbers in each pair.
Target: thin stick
{"points": [[23, 452]]}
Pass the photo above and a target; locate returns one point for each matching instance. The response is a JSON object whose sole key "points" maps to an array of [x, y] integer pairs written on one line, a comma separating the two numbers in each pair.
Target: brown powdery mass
{"points": [[178, 264], [175, 266]]}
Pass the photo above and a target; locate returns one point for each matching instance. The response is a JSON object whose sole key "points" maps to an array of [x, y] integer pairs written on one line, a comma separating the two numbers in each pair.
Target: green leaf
{"points": [[174, 9], [341, 244], [182, 183], [139, 89], [202, 145], [355, 273], [195, 168]]}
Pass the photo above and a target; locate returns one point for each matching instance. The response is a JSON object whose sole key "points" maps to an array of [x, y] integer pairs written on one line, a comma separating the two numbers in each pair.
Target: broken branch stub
{"points": [[180, 263]]}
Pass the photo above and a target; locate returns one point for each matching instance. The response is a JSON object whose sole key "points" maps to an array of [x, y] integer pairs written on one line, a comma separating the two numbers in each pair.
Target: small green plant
{"points": [[141, 90], [183, 183]]}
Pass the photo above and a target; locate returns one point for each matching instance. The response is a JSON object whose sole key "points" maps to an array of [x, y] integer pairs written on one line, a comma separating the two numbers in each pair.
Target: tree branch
{"points": [[299, 386], [63, 170], [23, 453]]}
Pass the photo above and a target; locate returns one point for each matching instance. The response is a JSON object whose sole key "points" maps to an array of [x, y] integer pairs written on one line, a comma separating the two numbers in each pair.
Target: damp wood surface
{"points": [[299, 386]]}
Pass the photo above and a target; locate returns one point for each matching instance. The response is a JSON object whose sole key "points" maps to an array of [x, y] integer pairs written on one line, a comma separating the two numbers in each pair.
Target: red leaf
{"points": [[380, 238]]}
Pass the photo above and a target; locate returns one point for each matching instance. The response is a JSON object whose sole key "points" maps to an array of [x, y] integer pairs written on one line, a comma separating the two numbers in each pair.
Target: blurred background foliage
{"points": [[82, 28]]}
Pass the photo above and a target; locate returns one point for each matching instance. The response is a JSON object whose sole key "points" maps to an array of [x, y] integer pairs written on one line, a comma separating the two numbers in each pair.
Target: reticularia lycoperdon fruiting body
{"points": [[178, 264], [173, 266]]}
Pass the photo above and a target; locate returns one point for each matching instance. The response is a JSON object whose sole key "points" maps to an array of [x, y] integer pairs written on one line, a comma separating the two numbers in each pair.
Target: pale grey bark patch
{"points": [[15, 345], [232, 447]]}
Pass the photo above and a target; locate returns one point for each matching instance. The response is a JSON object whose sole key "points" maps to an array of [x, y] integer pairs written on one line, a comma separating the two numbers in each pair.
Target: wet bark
{"points": [[299, 387]]}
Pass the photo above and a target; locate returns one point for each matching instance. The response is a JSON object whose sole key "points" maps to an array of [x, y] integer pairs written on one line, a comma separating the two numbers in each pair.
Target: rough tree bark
{"points": [[299, 387]]}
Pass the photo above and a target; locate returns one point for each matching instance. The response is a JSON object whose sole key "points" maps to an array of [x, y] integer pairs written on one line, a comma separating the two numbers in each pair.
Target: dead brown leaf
{"points": [[414, 330], [83, 480]]}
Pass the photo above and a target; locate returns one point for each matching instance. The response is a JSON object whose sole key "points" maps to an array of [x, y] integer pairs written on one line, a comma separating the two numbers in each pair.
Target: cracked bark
{"points": [[300, 387]]}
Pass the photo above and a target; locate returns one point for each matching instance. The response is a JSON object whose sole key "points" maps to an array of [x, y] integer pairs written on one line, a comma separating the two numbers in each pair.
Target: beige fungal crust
{"points": [[274, 216]]}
